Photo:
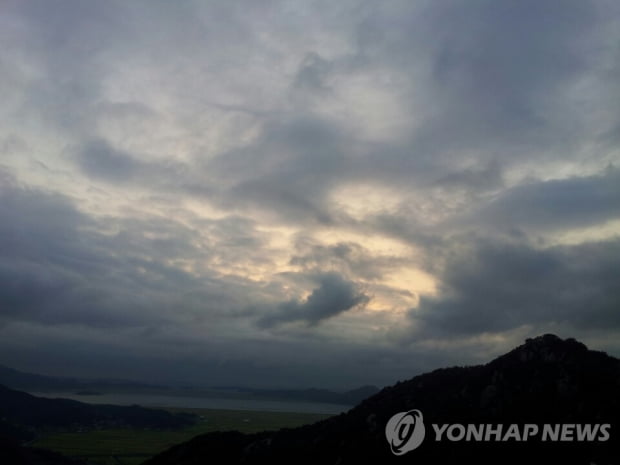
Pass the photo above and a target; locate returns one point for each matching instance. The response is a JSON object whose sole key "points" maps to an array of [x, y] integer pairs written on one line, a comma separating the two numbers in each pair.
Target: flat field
{"points": [[132, 446]]}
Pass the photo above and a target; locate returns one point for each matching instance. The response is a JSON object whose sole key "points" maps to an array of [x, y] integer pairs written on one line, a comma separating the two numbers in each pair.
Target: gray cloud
{"points": [[98, 159], [350, 258], [556, 204], [333, 296], [48, 270], [59, 267], [312, 74], [477, 179], [497, 286], [500, 73], [287, 172]]}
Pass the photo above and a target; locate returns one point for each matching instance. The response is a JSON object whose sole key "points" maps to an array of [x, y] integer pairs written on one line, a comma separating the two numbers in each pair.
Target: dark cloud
{"points": [[312, 72], [496, 286], [477, 179], [66, 42], [556, 204], [333, 296], [350, 258], [99, 160], [59, 266], [287, 173], [48, 270], [491, 80], [501, 71], [54, 272]]}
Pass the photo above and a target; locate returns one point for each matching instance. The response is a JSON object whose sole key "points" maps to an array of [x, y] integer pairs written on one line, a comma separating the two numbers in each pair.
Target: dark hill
{"points": [[13, 453], [545, 381], [21, 410]]}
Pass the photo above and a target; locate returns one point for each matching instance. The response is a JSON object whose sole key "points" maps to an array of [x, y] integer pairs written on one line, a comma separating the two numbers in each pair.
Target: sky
{"points": [[305, 193]]}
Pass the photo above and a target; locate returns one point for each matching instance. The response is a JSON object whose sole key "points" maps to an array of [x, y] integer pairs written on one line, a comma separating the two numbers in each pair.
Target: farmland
{"points": [[126, 446]]}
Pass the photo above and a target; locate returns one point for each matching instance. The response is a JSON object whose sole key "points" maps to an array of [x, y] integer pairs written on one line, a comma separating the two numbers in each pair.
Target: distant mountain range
{"points": [[33, 382], [23, 411], [547, 383]]}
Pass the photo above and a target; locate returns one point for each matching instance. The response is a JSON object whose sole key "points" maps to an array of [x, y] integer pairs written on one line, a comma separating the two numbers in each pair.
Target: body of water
{"points": [[149, 400]]}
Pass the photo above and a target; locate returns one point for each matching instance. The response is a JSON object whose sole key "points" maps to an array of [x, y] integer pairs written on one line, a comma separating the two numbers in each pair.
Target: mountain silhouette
{"points": [[546, 381]]}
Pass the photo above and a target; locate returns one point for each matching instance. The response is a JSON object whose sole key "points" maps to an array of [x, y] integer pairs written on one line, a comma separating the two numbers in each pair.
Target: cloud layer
{"points": [[293, 192]]}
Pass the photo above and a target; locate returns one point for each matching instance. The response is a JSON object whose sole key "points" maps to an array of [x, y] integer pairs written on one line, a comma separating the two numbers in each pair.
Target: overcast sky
{"points": [[296, 193]]}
